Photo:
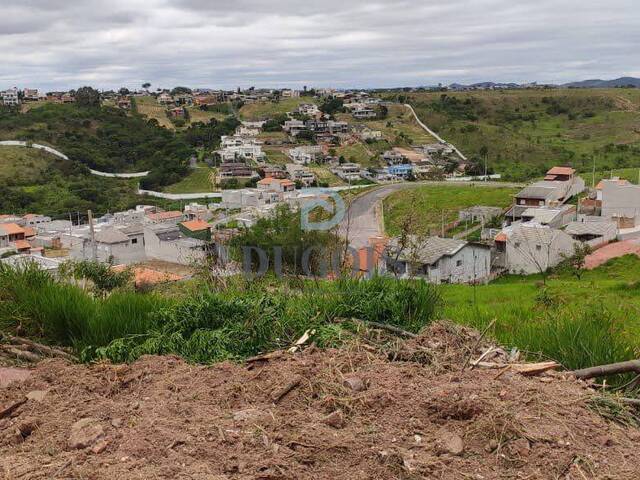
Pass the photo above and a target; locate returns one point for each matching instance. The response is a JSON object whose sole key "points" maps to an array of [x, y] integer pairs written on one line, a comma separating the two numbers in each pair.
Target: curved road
{"points": [[362, 220]]}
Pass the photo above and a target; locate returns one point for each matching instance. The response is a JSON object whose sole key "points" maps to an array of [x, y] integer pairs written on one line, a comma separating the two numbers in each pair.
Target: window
{"points": [[458, 263], [134, 241], [538, 247], [516, 245]]}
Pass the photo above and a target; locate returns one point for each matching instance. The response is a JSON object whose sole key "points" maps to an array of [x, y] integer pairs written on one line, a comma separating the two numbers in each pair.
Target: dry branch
{"points": [[20, 354], [39, 348], [606, 370], [281, 393]]}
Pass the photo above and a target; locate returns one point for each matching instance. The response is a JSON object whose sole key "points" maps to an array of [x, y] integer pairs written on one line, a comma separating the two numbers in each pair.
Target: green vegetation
{"points": [[198, 181], [428, 207], [267, 110], [524, 132], [586, 322], [212, 324]]}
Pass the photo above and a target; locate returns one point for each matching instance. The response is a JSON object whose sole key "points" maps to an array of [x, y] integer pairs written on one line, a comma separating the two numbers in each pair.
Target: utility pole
{"points": [[94, 250], [593, 178]]}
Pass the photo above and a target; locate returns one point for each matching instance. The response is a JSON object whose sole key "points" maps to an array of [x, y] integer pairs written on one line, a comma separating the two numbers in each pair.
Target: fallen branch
{"points": [[390, 328], [522, 368], [606, 370], [477, 344], [280, 394], [23, 355], [5, 412], [40, 348]]}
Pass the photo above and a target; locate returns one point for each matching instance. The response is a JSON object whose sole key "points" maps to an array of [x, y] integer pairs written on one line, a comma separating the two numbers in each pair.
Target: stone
{"points": [[116, 422], [355, 383], [452, 443], [334, 419], [37, 395], [85, 433], [100, 447]]}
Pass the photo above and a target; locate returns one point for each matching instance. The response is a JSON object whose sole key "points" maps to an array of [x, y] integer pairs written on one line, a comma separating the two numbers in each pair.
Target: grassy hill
{"points": [[430, 205], [266, 110], [526, 131]]}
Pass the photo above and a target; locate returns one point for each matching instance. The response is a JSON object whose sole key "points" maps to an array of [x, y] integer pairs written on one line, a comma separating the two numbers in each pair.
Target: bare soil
{"points": [[378, 410]]}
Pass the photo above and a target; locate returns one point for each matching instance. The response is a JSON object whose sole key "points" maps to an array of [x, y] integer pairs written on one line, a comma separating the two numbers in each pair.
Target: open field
{"points": [[21, 166], [399, 128], [266, 110], [630, 174], [149, 107], [537, 318], [276, 155], [197, 181], [527, 131], [359, 153], [430, 206]]}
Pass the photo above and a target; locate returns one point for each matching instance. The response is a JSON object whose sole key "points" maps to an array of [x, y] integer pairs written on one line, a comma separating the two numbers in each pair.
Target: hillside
{"points": [[384, 408], [597, 83], [523, 132]]}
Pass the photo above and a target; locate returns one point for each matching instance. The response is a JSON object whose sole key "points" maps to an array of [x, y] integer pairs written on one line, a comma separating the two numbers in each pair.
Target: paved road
{"points": [[362, 221]]}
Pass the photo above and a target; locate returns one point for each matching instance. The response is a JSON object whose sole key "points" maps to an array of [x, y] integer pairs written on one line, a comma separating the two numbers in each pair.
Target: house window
{"points": [[458, 263], [538, 247], [134, 241], [516, 245]]}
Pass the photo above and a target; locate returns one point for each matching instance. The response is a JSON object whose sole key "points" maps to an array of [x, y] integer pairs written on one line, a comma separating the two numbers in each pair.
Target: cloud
{"points": [[63, 44]]}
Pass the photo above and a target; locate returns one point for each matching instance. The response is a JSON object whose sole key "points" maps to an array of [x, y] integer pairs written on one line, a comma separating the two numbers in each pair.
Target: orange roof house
{"points": [[10, 229], [560, 174], [22, 245], [172, 215], [196, 225]]}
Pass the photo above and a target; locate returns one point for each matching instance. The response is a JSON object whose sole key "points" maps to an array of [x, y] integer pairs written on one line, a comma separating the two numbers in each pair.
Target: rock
{"points": [[9, 375], [452, 443], [253, 415], [116, 422], [334, 419], [85, 433], [355, 383], [491, 446], [520, 447], [37, 395], [100, 447]]}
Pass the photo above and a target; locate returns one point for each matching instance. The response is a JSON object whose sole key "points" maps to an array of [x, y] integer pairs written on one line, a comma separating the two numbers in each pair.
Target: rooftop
{"points": [[11, 229]]}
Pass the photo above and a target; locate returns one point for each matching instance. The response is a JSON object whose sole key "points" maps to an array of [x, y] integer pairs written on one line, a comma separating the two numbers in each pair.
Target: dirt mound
{"points": [[380, 409]]}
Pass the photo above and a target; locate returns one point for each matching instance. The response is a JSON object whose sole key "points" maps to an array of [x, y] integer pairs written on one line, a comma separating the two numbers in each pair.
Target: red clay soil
{"points": [[612, 250], [399, 412]]}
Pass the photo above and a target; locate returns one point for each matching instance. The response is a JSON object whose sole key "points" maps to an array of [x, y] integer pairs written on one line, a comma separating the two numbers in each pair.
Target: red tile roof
{"points": [[11, 229], [196, 225], [165, 215], [561, 171], [22, 245]]}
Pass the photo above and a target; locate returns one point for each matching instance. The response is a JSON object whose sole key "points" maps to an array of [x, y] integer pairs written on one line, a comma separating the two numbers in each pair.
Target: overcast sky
{"points": [[56, 44]]}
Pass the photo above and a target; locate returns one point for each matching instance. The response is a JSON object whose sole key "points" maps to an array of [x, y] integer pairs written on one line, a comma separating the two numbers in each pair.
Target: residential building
{"points": [[349, 172], [621, 203], [293, 127], [171, 217], [288, 93], [592, 233], [528, 248], [276, 185], [196, 229], [235, 169], [365, 133], [244, 131], [305, 154], [362, 113], [177, 112], [30, 95], [111, 245], [35, 220], [300, 174], [168, 243], [165, 99], [308, 109], [10, 97], [439, 260], [554, 217], [273, 171], [403, 170], [248, 197], [10, 233]]}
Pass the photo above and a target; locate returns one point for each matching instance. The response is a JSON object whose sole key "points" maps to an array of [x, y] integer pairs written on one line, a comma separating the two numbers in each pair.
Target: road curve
{"points": [[362, 221]]}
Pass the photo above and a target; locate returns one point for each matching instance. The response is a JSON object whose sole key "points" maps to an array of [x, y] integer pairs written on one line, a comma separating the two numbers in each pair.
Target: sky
{"points": [[63, 44]]}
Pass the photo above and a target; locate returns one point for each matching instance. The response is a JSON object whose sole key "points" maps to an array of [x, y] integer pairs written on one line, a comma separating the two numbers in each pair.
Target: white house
{"points": [[10, 97], [621, 203], [527, 248], [594, 234], [439, 260], [305, 154]]}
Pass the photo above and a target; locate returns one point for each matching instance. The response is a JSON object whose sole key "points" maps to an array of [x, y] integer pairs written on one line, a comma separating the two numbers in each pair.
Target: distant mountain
{"points": [[483, 86], [597, 83]]}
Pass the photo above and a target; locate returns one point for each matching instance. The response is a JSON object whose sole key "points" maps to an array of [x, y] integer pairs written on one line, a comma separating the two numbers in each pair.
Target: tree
{"points": [[146, 85], [576, 262], [124, 91], [88, 97], [180, 91]]}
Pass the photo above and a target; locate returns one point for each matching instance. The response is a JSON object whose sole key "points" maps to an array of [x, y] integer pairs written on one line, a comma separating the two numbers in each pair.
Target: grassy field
{"points": [[431, 205], [266, 110], [630, 174], [276, 155], [590, 321], [196, 182], [21, 166], [359, 153], [399, 128], [527, 131], [325, 176], [149, 107]]}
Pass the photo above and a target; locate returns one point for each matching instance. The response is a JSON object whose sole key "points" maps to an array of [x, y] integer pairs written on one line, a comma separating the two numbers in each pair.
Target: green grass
{"points": [[430, 205], [22, 166], [527, 131], [266, 110], [630, 174], [579, 323], [276, 155], [359, 153], [196, 182]]}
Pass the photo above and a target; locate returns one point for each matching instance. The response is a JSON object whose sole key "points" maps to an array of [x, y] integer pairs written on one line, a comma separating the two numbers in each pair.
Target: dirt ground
{"points": [[404, 410]]}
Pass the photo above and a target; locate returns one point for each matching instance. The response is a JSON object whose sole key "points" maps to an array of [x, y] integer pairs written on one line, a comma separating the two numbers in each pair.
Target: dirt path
{"points": [[612, 250]]}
